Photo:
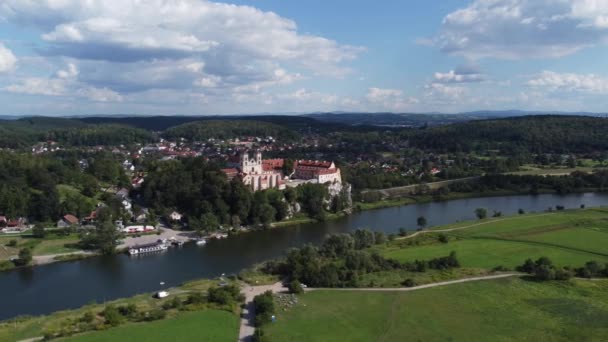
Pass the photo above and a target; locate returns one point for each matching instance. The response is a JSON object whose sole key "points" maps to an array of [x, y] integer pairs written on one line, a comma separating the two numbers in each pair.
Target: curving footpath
{"points": [[247, 327], [420, 287]]}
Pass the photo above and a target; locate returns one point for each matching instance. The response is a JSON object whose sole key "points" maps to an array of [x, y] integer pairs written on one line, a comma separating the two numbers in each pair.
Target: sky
{"points": [[198, 57]]}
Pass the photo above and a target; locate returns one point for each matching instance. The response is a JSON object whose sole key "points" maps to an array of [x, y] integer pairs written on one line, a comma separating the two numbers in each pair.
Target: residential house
{"points": [[67, 221]]}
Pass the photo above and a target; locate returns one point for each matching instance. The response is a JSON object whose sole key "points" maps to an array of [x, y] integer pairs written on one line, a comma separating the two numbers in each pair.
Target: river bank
{"points": [[25, 291]]}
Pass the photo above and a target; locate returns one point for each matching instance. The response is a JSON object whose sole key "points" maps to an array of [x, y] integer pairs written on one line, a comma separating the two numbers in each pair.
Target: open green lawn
{"points": [[568, 238], [556, 170], [209, 325], [497, 310], [51, 244], [217, 322]]}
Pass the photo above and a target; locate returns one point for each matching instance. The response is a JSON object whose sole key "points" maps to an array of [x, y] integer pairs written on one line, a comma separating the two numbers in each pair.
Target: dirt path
{"points": [[420, 287], [247, 327], [50, 258], [467, 227]]}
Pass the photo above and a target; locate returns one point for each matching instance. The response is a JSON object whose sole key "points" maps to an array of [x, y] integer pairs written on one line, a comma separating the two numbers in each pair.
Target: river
{"points": [[58, 286]]}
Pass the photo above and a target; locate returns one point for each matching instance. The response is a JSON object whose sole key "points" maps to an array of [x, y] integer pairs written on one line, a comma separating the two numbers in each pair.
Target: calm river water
{"points": [[58, 286]]}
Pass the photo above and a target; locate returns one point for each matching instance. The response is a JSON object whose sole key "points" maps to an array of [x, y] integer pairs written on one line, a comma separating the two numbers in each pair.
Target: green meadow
{"points": [[496, 310], [568, 238], [210, 325]]}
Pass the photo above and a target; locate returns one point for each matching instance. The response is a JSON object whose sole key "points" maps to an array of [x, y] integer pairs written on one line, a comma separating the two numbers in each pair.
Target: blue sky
{"points": [[69, 57]]}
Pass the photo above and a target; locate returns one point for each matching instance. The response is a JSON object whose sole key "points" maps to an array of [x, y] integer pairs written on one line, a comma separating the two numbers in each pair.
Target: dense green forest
{"points": [[69, 132], [224, 129], [535, 134], [45, 188], [532, 184]]}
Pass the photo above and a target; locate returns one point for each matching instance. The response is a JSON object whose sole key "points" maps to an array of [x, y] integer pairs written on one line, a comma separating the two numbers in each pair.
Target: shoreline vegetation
{"points": [[77, 255], [568, 246]]}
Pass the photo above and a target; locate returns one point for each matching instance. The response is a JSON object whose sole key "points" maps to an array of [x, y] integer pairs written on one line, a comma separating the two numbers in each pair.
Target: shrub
{"points": [[442, 238], [12, 243], [224, 295], [129, 310], [408, 282], [264, 308], [88, 317], [174, 303], [295, 287], [112, 316], [155, 315], [25, 257], [481, 213], [543, 270], [196, 298]]}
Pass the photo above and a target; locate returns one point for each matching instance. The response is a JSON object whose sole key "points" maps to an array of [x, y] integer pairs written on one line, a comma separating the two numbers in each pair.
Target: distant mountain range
{"points": [[346, 118]]}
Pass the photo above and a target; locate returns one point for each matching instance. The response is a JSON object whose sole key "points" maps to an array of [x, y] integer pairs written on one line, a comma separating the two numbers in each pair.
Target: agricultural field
{"points": [[568, 238], [495, 310], [209, 325]]}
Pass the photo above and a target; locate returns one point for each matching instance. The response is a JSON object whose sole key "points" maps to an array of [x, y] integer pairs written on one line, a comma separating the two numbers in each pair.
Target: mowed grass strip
{"points": [[210, 325], [496, 310]]}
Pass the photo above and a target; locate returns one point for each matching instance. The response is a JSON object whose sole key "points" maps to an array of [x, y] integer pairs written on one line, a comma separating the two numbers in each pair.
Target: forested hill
{"points": [[219, 129], [72, 132], [535, 134]]}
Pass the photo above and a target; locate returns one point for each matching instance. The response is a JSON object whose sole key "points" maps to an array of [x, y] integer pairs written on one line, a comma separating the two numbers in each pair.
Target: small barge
{"points": [[147, 248]]}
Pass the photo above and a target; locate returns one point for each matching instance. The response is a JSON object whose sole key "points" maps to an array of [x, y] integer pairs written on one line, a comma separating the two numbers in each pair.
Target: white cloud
{"points": [[457, 77], [71, 72], [516, 29], [569, 82], [64, 83], [203, 48], [39, 86], [145, 29], [7, 59]]}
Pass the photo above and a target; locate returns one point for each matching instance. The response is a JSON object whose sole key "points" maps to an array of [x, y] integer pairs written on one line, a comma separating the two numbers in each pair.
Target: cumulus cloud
{"points": [[515, 29], [64, 83], [208, 50], [148, 29], [7, 59], [456, 76], [570, 82]]}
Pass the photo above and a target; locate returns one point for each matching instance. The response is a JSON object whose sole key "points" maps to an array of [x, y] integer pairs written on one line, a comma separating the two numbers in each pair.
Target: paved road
{"points": [[248, 315]]}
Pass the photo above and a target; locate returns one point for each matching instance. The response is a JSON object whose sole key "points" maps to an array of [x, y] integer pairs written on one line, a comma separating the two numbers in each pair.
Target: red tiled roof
{"points": [[70, 219]]}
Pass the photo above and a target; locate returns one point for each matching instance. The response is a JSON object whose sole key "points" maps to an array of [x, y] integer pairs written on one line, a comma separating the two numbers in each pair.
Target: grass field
{"points": [[555, 170], [497, 310], [29, 327], [569, 238], [210, 325], [51, 244]]}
